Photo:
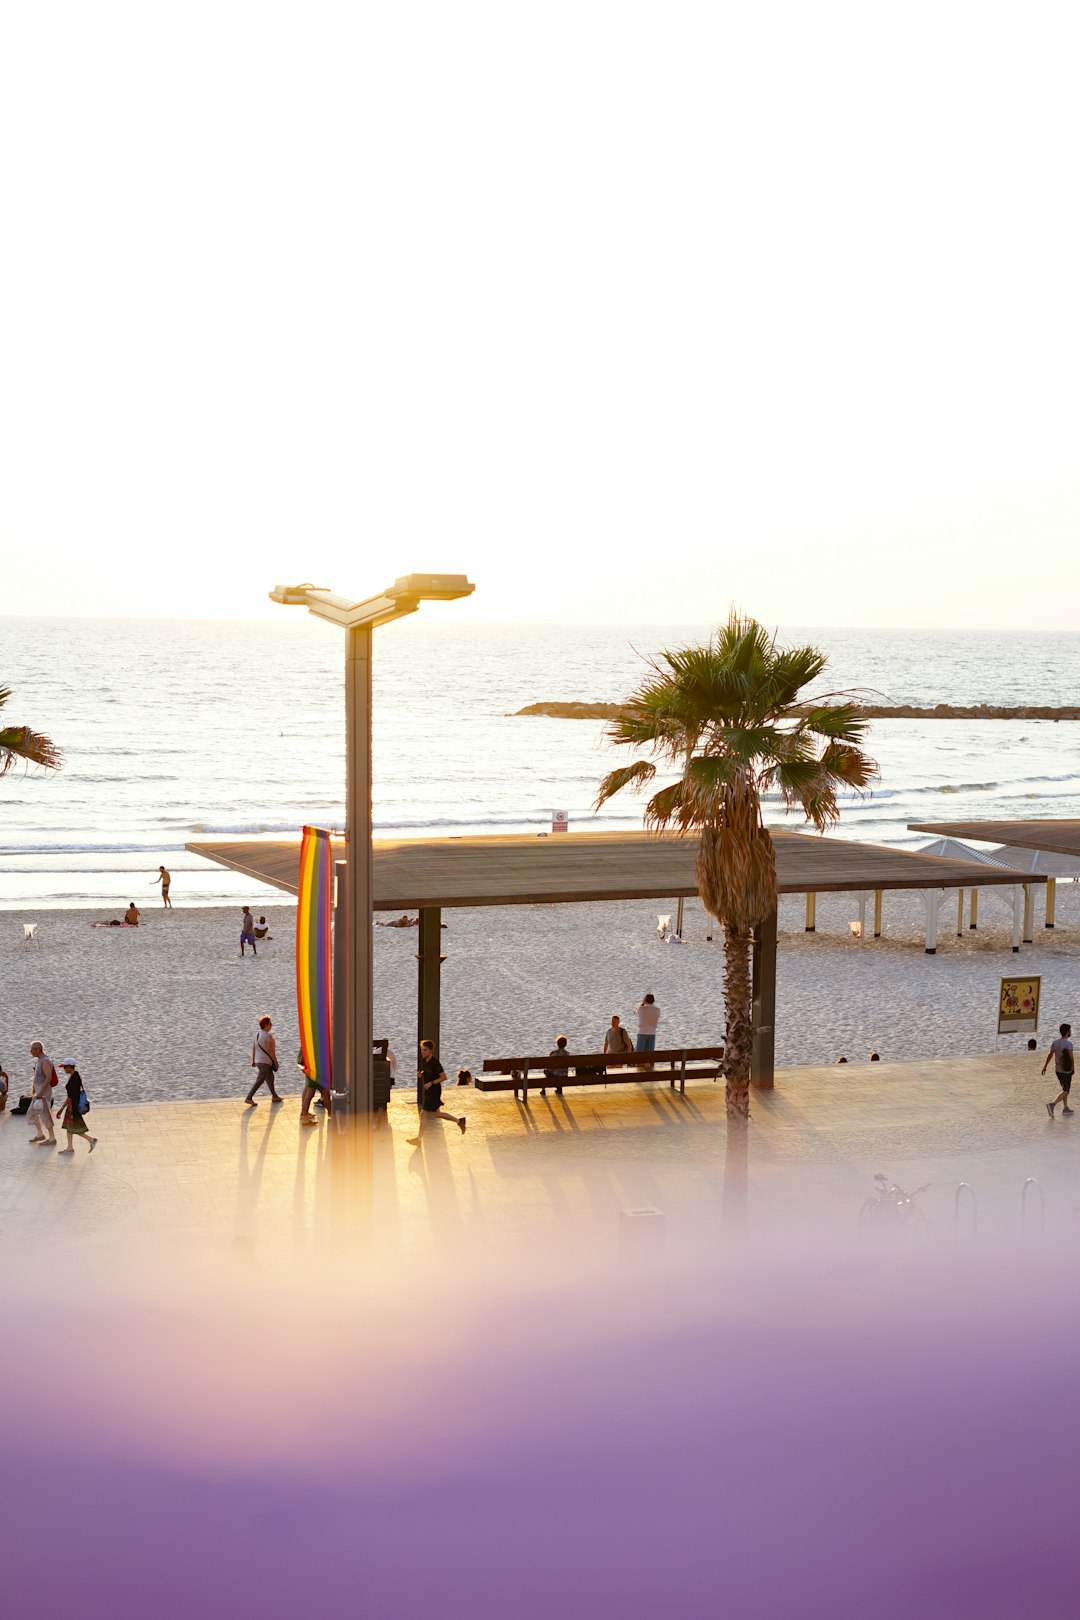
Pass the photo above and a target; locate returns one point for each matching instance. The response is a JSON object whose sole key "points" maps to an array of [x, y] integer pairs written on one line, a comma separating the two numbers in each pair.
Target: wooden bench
{"points": [[674, 1064]]}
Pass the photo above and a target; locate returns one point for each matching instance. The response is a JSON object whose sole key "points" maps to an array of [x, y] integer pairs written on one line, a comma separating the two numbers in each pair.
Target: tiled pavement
{"points": [[220, 1173]]}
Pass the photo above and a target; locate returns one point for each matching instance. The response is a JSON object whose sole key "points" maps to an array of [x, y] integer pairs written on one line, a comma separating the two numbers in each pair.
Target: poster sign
{"points": [[560, 821], [1018, 1006]]}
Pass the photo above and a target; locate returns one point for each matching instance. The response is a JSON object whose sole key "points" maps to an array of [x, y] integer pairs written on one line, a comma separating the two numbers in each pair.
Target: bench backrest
{"points": [[600, 1060]]}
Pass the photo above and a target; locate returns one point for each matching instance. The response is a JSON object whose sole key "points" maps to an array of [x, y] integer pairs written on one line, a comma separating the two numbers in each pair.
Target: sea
{"points": [[174, 730]]}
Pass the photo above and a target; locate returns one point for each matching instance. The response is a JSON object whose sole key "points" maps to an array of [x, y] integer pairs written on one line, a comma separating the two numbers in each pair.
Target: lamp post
{"points": [[358, 620]]}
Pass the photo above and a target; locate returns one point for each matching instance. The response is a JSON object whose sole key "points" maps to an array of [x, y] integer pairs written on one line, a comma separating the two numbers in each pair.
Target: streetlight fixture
{"points": [[358, 620]]}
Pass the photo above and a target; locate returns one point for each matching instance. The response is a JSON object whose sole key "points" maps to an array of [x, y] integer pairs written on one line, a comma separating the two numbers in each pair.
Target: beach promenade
{"points": [[223, 1178]]}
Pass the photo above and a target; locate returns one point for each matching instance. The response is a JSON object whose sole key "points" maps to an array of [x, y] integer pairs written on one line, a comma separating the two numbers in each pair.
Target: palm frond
{"points": [[21, 744], [640, 772]]}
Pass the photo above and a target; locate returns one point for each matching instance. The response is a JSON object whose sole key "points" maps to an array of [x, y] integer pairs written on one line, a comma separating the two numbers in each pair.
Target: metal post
{"points": [[358, 885], [960, 915], [974, 923], [678, 917], [1051, 901], [429, 962], [1016, 919], [811, 913], [764, 1010], [862, 916], [1029, 913], [877, 913]]}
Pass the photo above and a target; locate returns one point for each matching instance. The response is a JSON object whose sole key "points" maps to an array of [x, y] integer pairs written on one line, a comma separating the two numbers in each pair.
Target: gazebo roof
{"points": [[523, 869], [1060, 837]]}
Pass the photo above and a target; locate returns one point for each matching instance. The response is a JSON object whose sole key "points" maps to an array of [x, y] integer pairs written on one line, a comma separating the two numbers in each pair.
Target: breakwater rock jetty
{"points": [[872, 711]]}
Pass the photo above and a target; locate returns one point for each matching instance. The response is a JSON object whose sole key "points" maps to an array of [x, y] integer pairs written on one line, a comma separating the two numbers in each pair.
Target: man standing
{"points": [[616, 1039], [648, 1016], [247, 932], [429, 1083], [164, 879], [41, 1106], [1061, 1051]]}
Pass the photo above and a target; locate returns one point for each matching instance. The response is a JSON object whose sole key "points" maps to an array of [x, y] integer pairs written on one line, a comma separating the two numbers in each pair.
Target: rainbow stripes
{"points": [[313, 956]]}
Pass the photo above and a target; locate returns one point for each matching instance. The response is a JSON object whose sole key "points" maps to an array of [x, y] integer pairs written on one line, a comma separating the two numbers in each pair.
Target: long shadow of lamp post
{"points": [[358, 620]]}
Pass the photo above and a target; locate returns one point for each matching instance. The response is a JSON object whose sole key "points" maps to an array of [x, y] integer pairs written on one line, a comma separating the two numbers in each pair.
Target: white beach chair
{"points": [[855, 930], [663, 925], [28, 932]]}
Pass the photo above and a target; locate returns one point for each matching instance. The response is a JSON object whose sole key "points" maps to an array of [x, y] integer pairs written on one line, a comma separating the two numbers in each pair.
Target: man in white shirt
{"points": [[1061, 1051], [648, 1016], [41, 1107]]}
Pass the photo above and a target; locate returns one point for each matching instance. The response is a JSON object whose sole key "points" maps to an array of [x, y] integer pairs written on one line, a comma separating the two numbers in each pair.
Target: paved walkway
{"points": [[222, 1173]]}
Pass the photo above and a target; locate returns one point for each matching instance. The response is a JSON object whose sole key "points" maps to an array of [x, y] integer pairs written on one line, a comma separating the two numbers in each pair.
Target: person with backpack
{"points": [[40, 1109], [1061, 1051], [616, 1039], [73, 1118], [264, 1061]]}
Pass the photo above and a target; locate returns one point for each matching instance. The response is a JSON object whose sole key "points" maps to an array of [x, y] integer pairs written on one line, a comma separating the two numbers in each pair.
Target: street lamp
{"points": [[358, 620]]}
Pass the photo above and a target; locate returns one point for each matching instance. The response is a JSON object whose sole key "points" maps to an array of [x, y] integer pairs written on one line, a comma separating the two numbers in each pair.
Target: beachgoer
{"points": [[4, 1083], [262, 929], [73, 1118], [430, 1079], [391, 1058], [557, 1076], [1061, 1051], [164, 879], [247, 932], [648, 1016], [264, 1061], [41, 1104], [131, 915], [616, 1039]]}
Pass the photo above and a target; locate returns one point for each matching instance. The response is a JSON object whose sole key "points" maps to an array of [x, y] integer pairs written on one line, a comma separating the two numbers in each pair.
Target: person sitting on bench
{"points": [[557, 1075]]}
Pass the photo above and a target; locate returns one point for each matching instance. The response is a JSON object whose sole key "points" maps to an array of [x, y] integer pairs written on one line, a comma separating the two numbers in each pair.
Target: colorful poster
{"points": [[313, 955], [1018, 1006]]}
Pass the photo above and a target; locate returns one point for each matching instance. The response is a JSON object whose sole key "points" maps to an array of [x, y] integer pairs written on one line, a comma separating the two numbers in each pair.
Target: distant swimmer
{"points": [[131, 915], [164, 879]]}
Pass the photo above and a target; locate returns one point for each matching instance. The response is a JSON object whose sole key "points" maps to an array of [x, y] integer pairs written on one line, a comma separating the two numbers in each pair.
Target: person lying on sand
{"points": [[400, 922]]}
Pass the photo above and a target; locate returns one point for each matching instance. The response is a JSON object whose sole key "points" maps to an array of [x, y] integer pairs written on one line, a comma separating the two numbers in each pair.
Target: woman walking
{"points": [[73, 1117], [264, 1061]]}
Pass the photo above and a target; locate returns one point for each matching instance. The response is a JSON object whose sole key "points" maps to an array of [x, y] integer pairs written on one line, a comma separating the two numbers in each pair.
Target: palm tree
{"points": [[19, 742], [728, 717]]}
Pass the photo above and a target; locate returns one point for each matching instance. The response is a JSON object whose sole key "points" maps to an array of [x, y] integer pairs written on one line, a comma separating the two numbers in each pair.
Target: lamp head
{"points": [[293, 595], [432, 587]]}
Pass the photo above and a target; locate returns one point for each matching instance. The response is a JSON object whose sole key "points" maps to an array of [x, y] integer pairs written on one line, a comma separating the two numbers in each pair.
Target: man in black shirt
{"points": [[429, 1084]]}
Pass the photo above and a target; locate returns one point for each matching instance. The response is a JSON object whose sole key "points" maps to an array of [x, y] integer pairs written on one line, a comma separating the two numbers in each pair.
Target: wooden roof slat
{"points": [[565, 868]]}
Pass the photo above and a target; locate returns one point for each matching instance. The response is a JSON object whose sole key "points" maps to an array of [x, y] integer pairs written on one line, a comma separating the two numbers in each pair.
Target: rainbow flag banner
{"points": [[313, 956]]}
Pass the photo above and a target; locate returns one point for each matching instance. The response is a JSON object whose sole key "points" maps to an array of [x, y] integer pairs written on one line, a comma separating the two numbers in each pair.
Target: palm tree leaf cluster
{"points": [[731, 719], [21, 744]]}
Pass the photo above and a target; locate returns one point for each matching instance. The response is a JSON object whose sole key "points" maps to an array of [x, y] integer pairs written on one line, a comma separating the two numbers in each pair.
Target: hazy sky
{"points": [[628, 310]]}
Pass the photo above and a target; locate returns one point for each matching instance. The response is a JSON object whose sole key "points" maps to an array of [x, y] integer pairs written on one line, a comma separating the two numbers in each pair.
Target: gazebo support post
{"points": [[974, 923], [960, 915], [877, 913], [1029, 914], [764, 1009], [679, 916], [1051, 902], [429, 965], [1016, 919], [338, 969], [933, 900], [811, 913]]}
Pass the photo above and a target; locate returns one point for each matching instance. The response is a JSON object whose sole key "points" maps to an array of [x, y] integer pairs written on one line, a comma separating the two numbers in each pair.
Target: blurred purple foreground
{"points": [[756, 1440]]}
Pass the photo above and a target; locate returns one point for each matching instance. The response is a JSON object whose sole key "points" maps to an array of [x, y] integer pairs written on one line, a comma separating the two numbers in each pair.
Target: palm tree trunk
{"points": [[738, 1010]]}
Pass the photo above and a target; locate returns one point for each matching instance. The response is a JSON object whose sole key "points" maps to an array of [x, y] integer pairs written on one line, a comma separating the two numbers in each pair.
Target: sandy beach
{"points": [[169, 1010]]}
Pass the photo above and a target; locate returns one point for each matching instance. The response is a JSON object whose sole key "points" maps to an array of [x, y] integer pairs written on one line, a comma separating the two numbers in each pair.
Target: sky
{"points": [[629, 311]]}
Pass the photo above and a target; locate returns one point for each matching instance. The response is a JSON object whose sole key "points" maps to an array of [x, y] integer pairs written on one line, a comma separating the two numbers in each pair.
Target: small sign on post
{"points": [[1018, 1006], [560, 821]]}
